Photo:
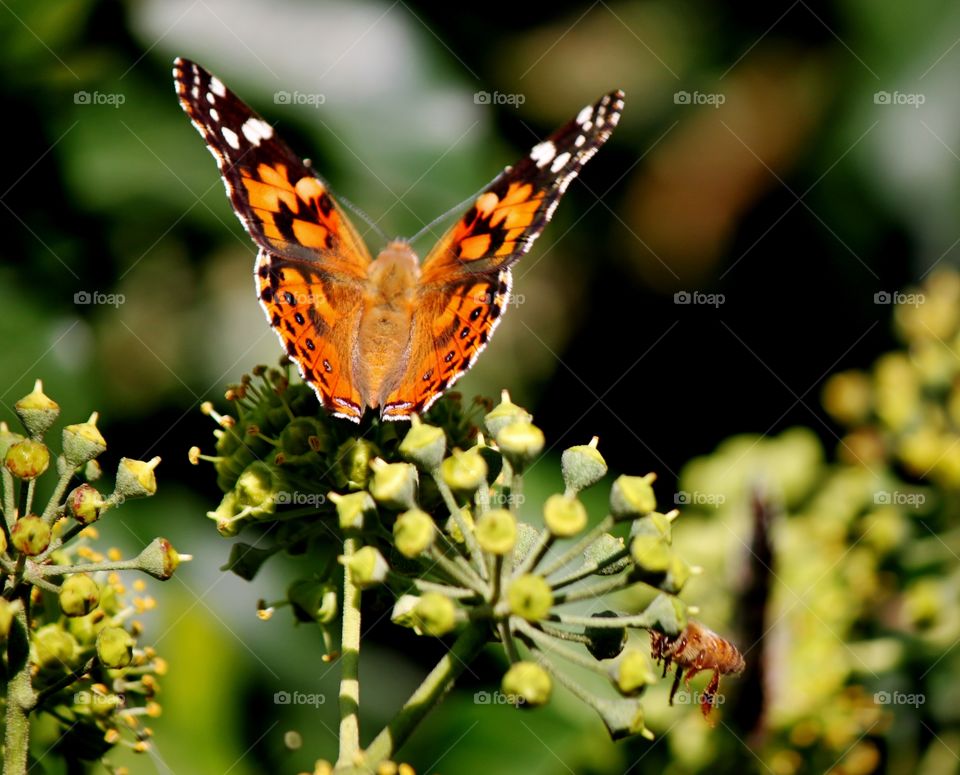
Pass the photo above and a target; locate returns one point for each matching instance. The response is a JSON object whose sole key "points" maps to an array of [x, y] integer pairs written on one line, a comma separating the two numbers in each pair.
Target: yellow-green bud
{"points": [[520, 443], [655, 524], [27, 459], [632, 496], [7, 439], [623, 717], [367, 567], [92, 471], [54, 646], [3, 541], [115, 647], [651, 553], [160, 559], [464, 472], [666, 614], [413, 532], [563, 516], [225, 515], [632, 673], [496, 531], [353, 509], [605, 642], [37, 411], [601, 550], [353, 463], [394, 485], [424, 445], [304, 435], [503, 414], [313, 601], [30, 535], [453, 528], [435, 614], [82, 442], [582, 466], [257, 488], [530, 596], [404, 611], [79, 595], [135, 478], [678, 573], [528, 683], [84, 504]]}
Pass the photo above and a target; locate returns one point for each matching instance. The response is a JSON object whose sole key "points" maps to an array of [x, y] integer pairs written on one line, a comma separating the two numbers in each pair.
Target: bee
{"points": [[697, 648]]}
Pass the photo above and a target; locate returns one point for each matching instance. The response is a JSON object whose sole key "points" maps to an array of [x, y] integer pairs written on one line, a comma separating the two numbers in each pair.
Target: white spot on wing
{"points": [[210, 98], [584, 115], [217, 87], [543, 152], [214, 114], [560, 162], [256, 129], [231, 137]]}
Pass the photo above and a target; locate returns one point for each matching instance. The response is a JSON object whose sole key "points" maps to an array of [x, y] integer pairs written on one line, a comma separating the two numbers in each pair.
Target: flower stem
{"points": [[428, 695], [349, 663], [21, 697]]}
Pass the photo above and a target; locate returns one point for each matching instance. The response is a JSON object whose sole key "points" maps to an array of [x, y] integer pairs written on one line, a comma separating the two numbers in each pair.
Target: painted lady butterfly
{"points": [[385, 332]]}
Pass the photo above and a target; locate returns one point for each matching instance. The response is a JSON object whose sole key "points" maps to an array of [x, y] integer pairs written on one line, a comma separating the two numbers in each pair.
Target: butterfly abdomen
{"points": [[387, 321]]}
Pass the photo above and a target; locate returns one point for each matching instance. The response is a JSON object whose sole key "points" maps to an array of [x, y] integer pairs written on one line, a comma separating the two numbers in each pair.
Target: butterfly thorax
{"points": [[386, 322]]}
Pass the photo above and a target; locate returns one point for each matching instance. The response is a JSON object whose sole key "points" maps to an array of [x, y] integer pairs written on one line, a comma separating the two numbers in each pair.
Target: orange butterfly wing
{"points": [[465, 281], [310, 253]]}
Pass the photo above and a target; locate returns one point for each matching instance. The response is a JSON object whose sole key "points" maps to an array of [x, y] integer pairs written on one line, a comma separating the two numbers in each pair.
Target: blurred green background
{"points": [[793, 161]]}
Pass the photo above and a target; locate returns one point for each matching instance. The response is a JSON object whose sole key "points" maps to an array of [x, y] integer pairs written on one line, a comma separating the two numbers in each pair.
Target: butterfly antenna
{"points": [[364, 217], [455, 209]]}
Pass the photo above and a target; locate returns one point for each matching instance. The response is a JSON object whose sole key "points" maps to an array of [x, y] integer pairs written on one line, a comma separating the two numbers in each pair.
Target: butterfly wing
{"points": [[465, 280], [312, 262]]}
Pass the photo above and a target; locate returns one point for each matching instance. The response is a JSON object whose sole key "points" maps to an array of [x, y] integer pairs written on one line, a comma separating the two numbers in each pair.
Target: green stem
{"points": [[21, 698], [50, 512], [9, 508], [593, 591], [428, 694], [548, 644], [350, 663], [473, 548], [578, 548]]}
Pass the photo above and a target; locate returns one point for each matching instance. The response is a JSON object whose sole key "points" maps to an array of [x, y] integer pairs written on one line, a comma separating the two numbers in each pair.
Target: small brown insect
{"points": [[697, 648]]}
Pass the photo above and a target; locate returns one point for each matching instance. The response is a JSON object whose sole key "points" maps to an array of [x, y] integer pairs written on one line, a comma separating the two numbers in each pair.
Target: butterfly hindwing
{"points": [[279, 199], [508, 216]]}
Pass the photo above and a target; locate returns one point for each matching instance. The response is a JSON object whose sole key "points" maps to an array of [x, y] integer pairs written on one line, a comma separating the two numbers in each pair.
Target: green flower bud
{"points": [[30, 535], [582, 466], [528, 683], [82, 442], [632, 673], [678, 573], [651, 553], [135, 478], [225, 515], [7, 439], [54, 647], [504, 414], [623, 718], [605, 642], [496, 531], [435, 614], [453, 529], [605, 547], [84, 504], [37, 411], [520, 443], [654, 524], [302, 436], [530, 596], [353, 463], [91, 471], [527, 537], [115, 647], [424, 445], [667, 614], [79, 595], [464, 472], [353, 510], [394, 485], [367, 567], [632, 496], [257, 488], [160, 559], [27, 459], [7, 611], [413, 533], [404, 609], [313, 601], [563, 516]]}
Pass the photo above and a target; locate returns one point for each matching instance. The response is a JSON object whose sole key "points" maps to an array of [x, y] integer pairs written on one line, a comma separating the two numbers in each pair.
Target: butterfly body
{"points": [[388, 333]]}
